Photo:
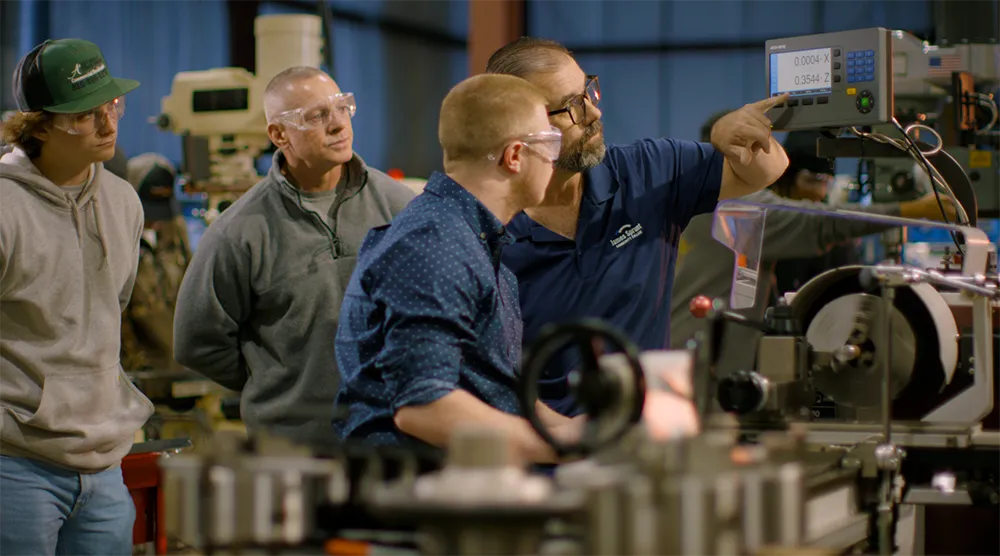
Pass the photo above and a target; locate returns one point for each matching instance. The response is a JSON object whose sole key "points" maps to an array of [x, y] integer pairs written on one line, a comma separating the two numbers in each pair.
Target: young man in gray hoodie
{"points": [[258, 307], [69, 247]]}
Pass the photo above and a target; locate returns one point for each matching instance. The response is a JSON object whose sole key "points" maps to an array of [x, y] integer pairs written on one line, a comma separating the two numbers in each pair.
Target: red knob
{"points": [[700, 306]]}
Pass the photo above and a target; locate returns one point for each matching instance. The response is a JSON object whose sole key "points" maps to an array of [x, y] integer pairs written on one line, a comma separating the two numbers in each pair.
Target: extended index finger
{"points": [[771, 102]]}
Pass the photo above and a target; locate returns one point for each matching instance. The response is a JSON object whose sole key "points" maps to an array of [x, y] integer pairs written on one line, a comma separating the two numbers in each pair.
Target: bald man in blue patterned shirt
{"points": [[430, 329]]}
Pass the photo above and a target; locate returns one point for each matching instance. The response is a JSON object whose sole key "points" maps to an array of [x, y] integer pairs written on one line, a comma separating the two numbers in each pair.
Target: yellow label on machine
{"points": [[980, 159], [852, 91]]}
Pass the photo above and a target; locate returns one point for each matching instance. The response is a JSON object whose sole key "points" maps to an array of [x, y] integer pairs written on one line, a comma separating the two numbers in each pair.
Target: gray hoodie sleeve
{"points": [[212, 304], [791, 234], [3, 268], [3, 263], [126, 294]]}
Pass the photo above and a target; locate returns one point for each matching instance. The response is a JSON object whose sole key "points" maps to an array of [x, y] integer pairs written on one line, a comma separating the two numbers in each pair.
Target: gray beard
{"points": [[582, 159]]}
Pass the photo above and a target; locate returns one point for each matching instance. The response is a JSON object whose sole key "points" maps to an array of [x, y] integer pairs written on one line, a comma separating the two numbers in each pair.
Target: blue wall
{"points": [[672, 93], [148, 41], [399, 81]]}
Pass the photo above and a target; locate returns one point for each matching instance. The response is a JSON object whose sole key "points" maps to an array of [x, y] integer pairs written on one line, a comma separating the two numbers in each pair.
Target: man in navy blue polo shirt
{"points": [[430, 326], [603, 242]]}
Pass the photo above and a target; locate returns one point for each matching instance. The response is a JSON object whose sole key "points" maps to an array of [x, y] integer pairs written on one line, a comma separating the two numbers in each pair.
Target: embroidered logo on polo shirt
{"points": [[626, 233]]}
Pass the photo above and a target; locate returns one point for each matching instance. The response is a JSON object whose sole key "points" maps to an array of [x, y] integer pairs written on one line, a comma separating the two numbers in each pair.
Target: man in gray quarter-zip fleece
{"points": [[258, 307]]}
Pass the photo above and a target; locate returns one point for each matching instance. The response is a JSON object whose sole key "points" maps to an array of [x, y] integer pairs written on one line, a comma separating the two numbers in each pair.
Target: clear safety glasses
{"points": [[546, 143], [87, 123], [321, 115]]}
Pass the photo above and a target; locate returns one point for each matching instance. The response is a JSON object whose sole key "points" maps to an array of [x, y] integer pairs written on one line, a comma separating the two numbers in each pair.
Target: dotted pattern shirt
{"points": [[429, 309]]}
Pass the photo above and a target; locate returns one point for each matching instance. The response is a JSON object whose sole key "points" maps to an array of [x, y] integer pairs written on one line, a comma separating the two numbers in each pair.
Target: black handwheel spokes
{"points": [[598, 391]]}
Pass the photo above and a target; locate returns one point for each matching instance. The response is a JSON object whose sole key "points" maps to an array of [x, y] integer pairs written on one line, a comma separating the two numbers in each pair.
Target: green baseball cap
{"points": [[66, 76]]}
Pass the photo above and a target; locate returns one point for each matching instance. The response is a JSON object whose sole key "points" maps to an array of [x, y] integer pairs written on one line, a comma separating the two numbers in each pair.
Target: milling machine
{"points": [[219, 113], [952, 89], [896, 363]]}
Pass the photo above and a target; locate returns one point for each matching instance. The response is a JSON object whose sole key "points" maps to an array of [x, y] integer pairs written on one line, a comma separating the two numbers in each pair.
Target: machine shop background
{"points": [[665, 67]]}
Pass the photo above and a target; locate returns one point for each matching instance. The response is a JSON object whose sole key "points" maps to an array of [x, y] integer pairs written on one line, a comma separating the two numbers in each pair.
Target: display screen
{"points": [[220, 100], [802, 72]]}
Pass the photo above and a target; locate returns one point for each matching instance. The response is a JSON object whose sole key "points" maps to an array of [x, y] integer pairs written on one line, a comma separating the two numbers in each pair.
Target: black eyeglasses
{"points": [[577, 106]]}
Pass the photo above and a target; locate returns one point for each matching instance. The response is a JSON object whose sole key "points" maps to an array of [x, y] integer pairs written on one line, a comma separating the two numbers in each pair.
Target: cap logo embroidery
{"points": [[79, 79]]}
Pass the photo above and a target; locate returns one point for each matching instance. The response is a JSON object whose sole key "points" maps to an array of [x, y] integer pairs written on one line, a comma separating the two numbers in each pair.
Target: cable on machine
{"points": [[938, 183]]}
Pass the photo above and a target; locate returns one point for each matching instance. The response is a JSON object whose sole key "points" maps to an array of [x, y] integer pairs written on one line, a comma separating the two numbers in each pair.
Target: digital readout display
{"points": [[801, 72]]}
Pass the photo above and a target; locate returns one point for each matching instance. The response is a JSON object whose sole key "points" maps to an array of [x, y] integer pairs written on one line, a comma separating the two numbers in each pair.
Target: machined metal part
{"points": [[900, 275], [914, 301], [620, 514], [759, 509], [782, 362], [231, 497], [617, 369], [606, 524], [851, 532], [856, 382], [972, 295], [685, 514], [744, 392], [887, 457], [482, 502], [690, 497], [934, 496], [833, 498], [977, 401], [780, 358], [774, 506], [846, 353], [903, 434]]}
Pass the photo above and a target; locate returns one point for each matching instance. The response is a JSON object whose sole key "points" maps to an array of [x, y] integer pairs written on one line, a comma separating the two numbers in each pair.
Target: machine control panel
{"points": [[833, 80]]}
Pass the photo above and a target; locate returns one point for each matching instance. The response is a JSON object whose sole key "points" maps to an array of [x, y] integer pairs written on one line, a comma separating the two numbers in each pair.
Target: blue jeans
{"points": [[47, 510]]}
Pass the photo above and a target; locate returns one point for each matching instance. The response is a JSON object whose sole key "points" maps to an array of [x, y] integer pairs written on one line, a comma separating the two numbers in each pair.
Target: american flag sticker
{"points": [[943, 66]]}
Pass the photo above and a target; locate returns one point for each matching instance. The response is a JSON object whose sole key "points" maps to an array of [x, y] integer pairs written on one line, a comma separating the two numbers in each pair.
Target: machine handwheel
{"points": [[595, 389]]}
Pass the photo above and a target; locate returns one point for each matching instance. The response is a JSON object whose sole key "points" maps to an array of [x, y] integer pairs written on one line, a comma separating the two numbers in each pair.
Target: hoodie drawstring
{"points": [[19, 168], [97, 221], [100, 231], [76, 222]]}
